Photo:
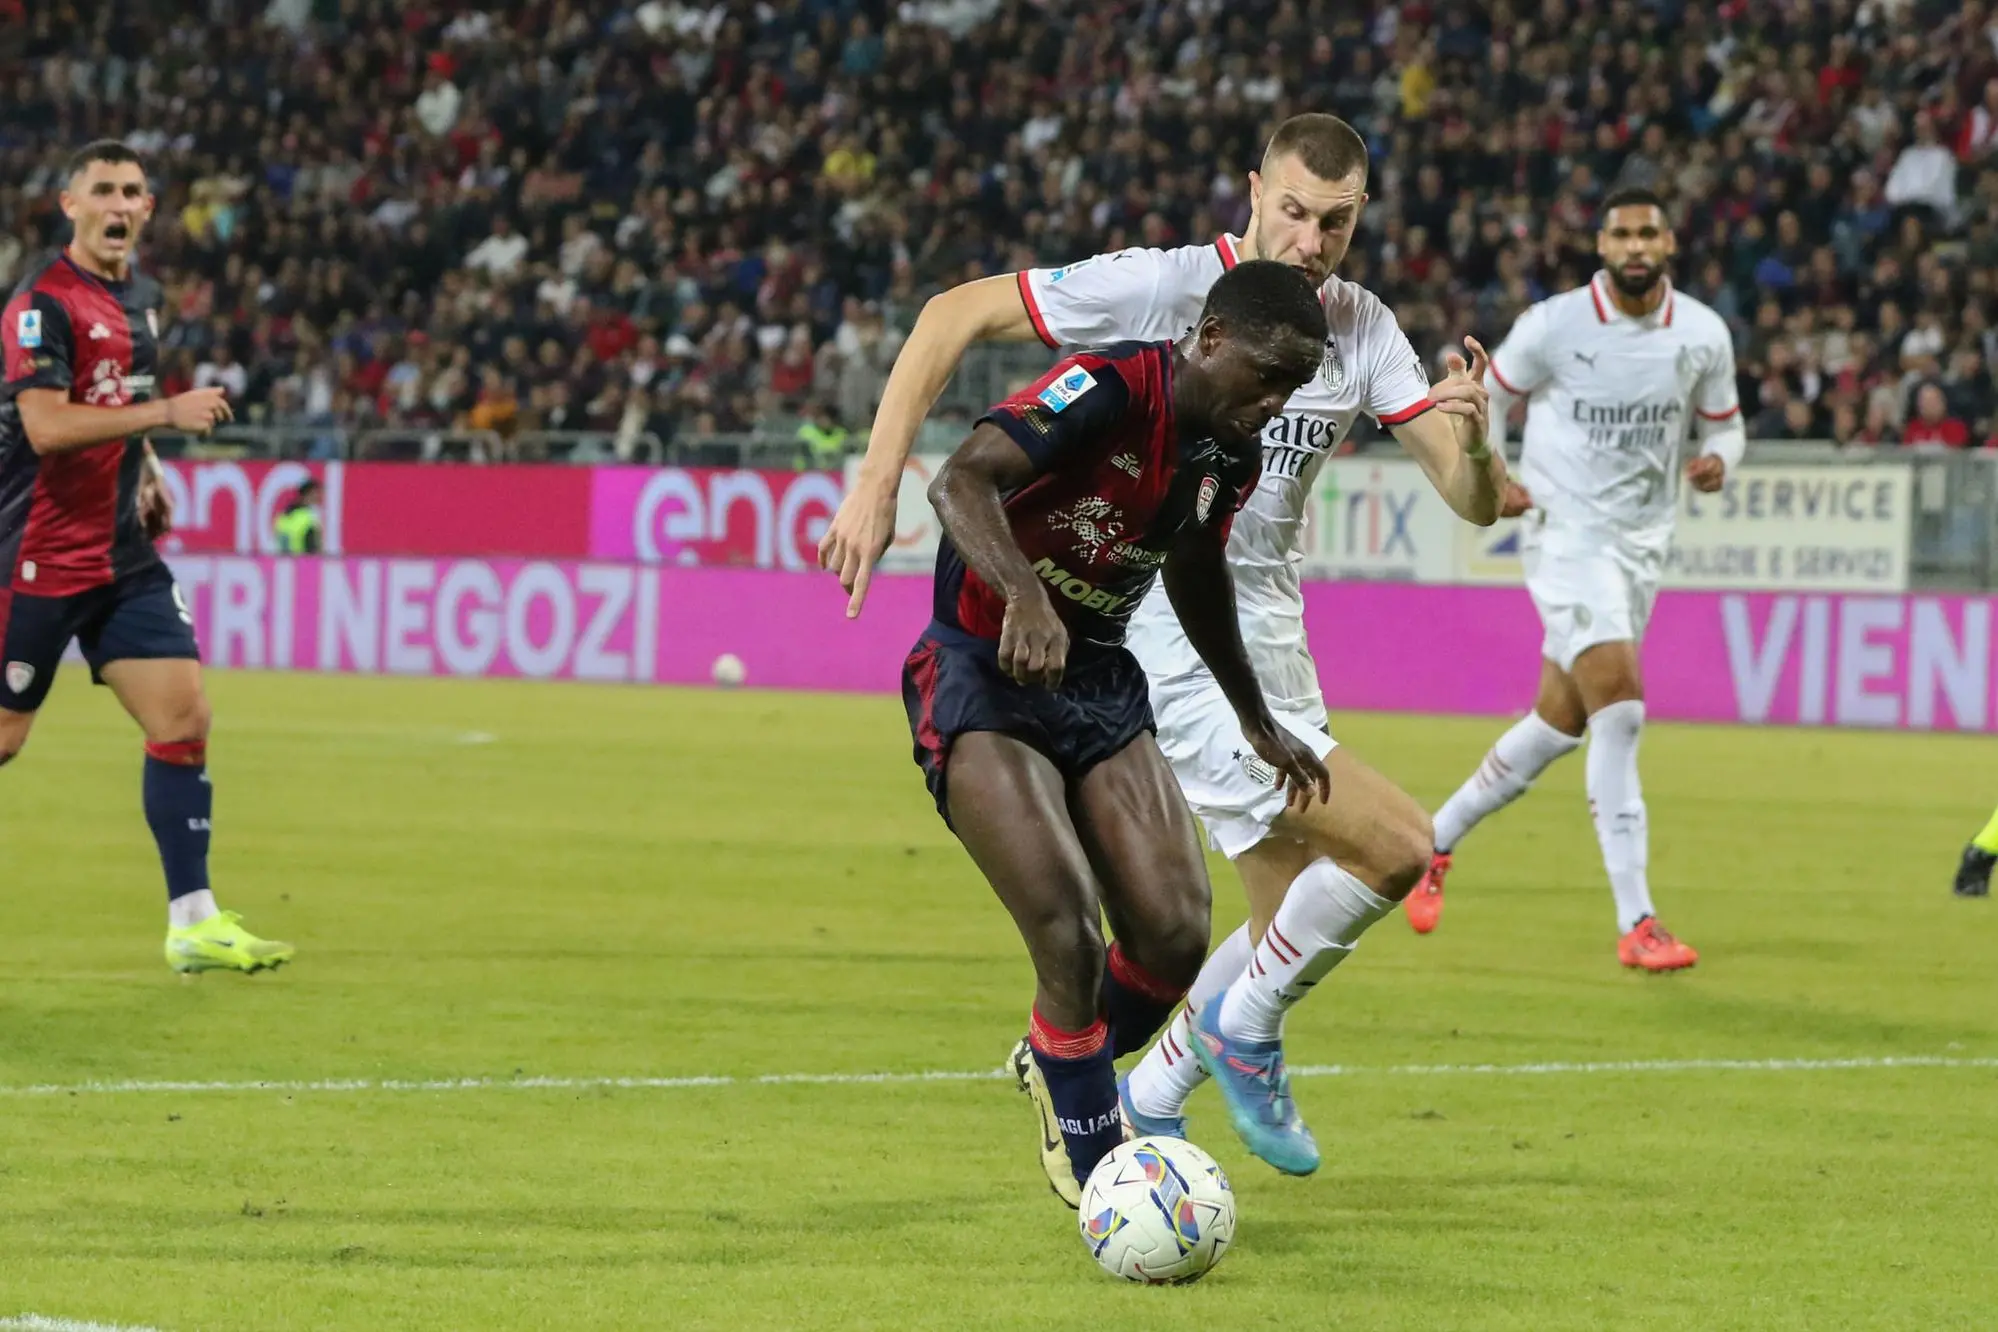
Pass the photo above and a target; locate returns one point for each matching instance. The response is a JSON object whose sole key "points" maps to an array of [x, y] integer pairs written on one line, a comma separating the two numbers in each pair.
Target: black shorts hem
{"points": [[952, 686], [178, 654]]}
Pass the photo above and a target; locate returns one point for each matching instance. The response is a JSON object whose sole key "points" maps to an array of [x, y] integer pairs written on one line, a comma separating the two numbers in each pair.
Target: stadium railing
{"points": [[1955, 540]]}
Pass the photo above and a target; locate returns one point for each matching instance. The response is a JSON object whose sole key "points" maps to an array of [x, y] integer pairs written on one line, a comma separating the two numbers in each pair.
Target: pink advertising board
{"points": [[544, 619], [1889, 661], [1786, 658], [712, 516]]}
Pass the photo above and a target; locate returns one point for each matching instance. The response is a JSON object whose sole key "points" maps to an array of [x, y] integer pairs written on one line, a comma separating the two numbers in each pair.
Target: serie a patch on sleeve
{"points": [[1057, 396], [28, 329]]}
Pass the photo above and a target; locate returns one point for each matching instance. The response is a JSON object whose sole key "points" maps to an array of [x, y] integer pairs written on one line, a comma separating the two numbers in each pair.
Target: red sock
{"points": [[1135, 1002], [1082, 1084], [1055, 1043]]}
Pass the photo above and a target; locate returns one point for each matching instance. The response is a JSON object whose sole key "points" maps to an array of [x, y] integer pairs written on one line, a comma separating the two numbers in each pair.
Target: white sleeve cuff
{"points": [[1728, 443]]}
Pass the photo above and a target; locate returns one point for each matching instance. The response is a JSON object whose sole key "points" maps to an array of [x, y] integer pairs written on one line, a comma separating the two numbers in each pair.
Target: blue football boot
{"points": [[1252, 1080]]}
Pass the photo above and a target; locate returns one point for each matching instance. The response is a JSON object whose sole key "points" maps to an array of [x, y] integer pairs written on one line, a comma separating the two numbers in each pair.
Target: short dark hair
{"points": [[1630, 196], [1261, 298], [1327, 146], [104, 150]]}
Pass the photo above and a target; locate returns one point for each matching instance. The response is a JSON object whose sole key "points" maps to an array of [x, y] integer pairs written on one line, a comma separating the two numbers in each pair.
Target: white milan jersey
{"points": [[1368, 367], [1611, 401]]}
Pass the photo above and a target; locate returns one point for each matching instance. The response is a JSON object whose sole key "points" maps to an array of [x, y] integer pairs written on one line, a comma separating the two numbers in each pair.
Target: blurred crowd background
{"points": [[692, 220]]}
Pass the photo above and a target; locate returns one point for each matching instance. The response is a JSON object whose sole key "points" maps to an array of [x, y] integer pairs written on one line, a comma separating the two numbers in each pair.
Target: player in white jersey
{"points": [[1315, 878], [1616, 375]]}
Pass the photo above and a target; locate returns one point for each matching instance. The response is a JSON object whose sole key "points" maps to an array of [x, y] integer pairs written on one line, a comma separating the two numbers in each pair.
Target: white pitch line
{"points": [[30, 1322], [1552, 1068]]}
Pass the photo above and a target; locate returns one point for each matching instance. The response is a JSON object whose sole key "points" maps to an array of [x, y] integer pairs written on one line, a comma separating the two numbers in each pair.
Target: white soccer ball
{"points": [[1158, 1210], [729, 670]]}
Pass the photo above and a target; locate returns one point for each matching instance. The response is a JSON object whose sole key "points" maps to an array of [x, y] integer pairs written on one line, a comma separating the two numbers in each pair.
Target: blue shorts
{"points": [[139, 616], [952, 685]]}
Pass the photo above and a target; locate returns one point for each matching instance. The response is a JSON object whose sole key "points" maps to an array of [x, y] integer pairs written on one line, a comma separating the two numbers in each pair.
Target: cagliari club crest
{"points": [[1203, 502]]}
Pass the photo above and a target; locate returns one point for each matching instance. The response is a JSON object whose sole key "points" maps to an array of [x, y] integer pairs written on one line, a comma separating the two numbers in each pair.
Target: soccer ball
{"points": [[1158, 1210], [729, 670]]}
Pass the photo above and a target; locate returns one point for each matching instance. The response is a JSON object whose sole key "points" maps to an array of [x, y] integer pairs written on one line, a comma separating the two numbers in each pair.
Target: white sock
{"points": [[1616, 801], [191, 909], [1323, 915], [1510, 766], [1168, 1073]]}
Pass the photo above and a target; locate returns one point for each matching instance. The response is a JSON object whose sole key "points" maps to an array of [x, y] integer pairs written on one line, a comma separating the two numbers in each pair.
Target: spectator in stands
{"points": [[500, 254], [1932, 422], [1799, 420], [1924, 175], [654, 180], [495, 407], [1876, 428], [437, 109], [825, 440], [1771, 419], [298, 527], [223, 370], [792, 372]]}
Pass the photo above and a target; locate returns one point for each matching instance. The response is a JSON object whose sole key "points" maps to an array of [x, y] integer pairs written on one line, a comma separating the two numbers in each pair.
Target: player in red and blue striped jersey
{"points": [[1031, 719], [80, 507]]}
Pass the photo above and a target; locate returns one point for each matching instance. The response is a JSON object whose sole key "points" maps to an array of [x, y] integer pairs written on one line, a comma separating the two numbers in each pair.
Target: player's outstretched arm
{"points": [[54, 424], [989, 310], [1203, 597], [1453, 443], [1718, 413], [1033, 643]]}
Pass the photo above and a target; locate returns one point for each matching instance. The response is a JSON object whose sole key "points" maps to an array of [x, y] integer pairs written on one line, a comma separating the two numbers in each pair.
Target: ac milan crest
{"points": [[1332, 370], [19, 676]]}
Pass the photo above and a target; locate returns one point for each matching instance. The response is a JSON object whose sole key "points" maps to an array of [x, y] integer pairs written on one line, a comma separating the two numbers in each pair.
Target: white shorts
{"points": [[1226, 784], [1588, 590]]}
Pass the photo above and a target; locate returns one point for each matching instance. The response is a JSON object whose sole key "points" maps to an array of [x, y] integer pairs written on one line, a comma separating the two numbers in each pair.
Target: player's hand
{"points": [[1462, 392], [1298, 770], [1033, 642], [1515, 500], [1706, 473], [856, 539], [155, 508], [198, 411]]}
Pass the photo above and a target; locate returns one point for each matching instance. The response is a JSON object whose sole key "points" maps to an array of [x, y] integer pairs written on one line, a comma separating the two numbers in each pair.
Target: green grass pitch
{"points": [[496, 881]]}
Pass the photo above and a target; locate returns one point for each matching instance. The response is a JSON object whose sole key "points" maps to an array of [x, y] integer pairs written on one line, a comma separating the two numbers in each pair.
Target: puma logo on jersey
{"points": [[1588, 359], [1084, 594]]}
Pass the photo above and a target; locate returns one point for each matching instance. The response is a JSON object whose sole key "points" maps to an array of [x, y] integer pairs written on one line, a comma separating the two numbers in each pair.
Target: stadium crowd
{"points": [[689, 218]]}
